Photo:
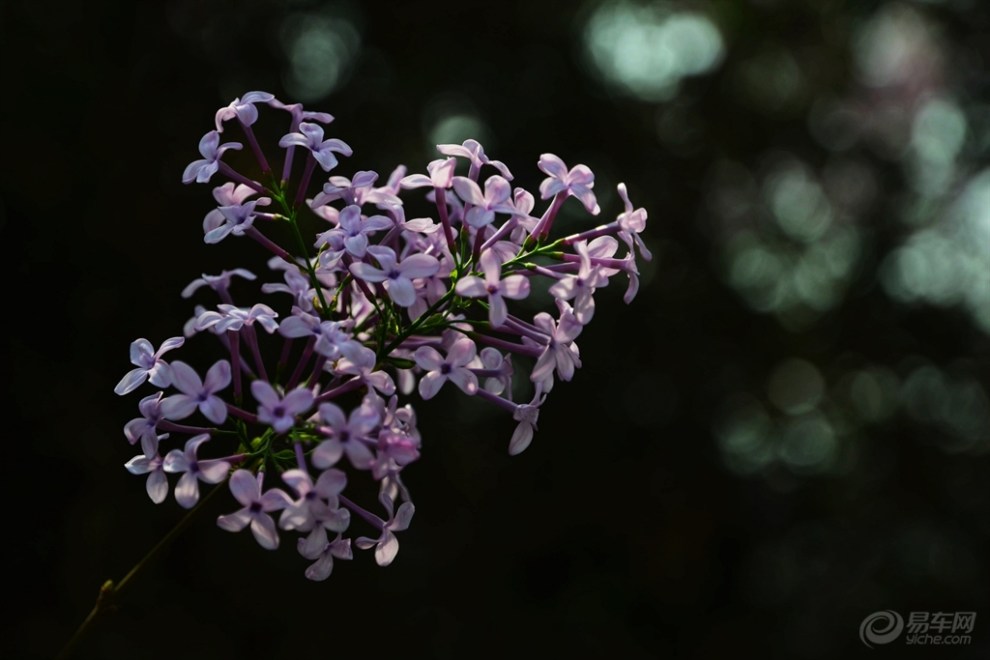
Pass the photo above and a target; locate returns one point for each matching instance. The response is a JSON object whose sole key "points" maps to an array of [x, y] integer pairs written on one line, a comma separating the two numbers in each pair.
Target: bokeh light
{"points": [[946, 264], [320, 48], [645, 50], [783, 247]]}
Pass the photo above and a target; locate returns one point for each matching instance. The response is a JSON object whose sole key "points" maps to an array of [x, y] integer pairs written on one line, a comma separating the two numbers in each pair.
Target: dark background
{"points": [[785, 432]]}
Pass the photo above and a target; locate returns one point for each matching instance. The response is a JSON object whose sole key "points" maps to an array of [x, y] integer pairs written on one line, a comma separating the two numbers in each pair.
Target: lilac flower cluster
{"points": [[377, 306]]}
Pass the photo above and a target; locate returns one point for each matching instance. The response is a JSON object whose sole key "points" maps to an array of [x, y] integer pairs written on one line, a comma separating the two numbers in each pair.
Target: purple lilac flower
{"points": [[396, 448], [196, 393], [396, 275], [189, 327], [150, 408], [242, 108], [234, 219], [150, 463], [310, 136], [219, 283], [193, 470], [527, 415], [211, 150], [475, 153], [357, 191], [318, 546], [559, 352], [513, 287], [149, 363], [600, 251], [401, 419], [317, 504], [453, 368], [386, 545], [246, 489], [347, 435], [524, 222], [383, 298], [332, 340], [277, 411], [302, 324], [361, 361], [577, 182], [299, 114], [233, 318], [499, 366], [631, 224], [580, 287], [441, 175], [418, 225], [484, 206], [353, 231]]}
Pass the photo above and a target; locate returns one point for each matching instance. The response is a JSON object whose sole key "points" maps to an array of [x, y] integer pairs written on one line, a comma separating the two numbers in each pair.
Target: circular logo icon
{"points": [[881, 627]]}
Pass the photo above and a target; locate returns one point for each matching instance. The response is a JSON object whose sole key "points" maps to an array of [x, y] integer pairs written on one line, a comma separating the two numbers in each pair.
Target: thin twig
{"points": [[106, 601]]}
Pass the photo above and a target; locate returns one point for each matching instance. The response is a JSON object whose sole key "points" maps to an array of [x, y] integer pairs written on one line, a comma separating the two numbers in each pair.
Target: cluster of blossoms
{"points": [[374, 308]]}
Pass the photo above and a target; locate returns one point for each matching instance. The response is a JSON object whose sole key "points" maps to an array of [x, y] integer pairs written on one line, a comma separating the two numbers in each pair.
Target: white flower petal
{"points": [[387, 549]]}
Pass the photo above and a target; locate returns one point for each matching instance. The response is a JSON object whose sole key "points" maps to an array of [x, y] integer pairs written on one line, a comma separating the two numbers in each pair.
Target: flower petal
{"points": [[157, 486], [187, 491], [327, 453], [464, 379], [184, 378], [214, 409], [178, 406], [264, 393], [419, 265], [430, 384], [462, 352], [515, 287], [552, 165], [403, 517], [331, 482], [497, 311], [244, 487], [131, 381], [387, 548], [521, 438], [265, 533], [175, 461], [471, 287], [218, 377], [367, 272], [234, 522], [298, 401], [468, 191], [402, 291], [213, 471], [314, 544]]}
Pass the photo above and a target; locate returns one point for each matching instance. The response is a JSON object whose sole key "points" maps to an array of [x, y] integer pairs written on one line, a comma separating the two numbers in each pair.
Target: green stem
{"points": [[309, 265], [539, 250], [106, 601], [277, 192], [290, 214], [416, 324]]}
